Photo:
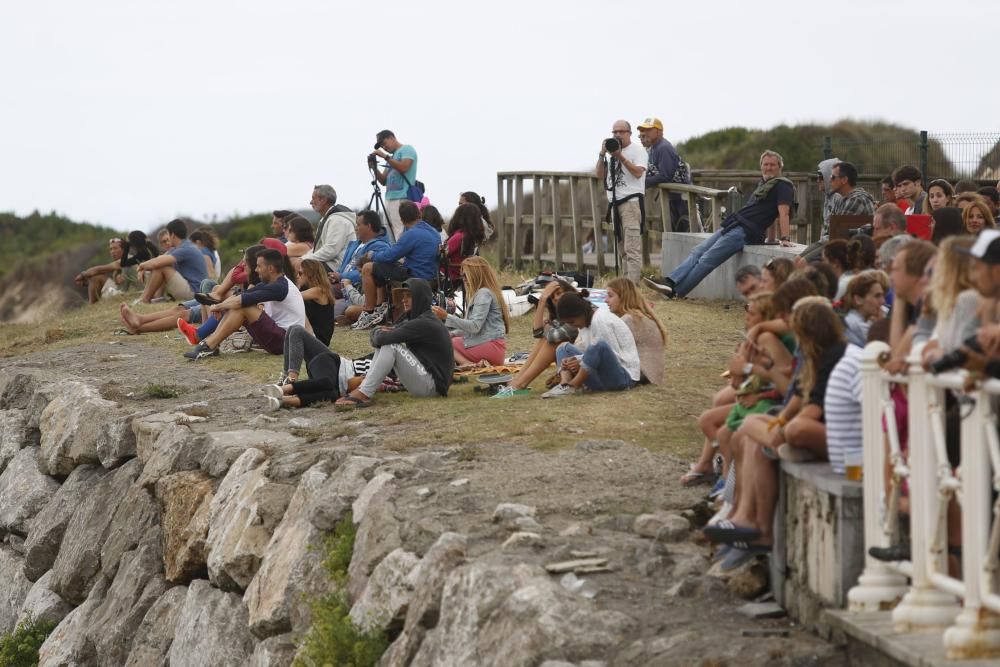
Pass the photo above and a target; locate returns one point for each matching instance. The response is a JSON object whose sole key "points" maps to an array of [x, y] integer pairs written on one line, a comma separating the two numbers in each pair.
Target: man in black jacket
{"points": [[418, 350]]}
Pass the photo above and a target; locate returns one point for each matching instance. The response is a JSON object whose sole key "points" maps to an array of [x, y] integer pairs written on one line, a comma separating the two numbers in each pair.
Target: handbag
{"points": [[414, 191]]}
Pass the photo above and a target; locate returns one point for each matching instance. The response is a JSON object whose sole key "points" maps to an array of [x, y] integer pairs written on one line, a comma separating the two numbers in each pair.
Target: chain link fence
{"points": [[974, 155]]}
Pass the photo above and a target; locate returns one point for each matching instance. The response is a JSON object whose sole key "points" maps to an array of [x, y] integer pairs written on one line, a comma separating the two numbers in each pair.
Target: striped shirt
{"points": [[842, 409]]}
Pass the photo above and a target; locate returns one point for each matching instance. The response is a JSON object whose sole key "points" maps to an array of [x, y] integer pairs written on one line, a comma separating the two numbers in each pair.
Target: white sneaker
{"points": [[366, 321], [561, 390], [273, 404], [273, 390]]}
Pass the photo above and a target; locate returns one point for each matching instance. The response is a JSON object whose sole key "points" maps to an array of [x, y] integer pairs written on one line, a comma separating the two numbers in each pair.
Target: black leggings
{"points": [[324, 380]]}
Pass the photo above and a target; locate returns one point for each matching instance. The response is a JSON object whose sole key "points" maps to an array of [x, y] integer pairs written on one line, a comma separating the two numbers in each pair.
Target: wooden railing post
{"points": [[501, 223], [976, 632], [518, 212], [878, 587], [536, 221], [556, 224], [577, 226], [923, 606], [596, 219]]}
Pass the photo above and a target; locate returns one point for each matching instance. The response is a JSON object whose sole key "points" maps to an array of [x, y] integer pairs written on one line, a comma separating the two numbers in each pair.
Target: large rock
{"points": [[244, 512], [224, 448], [426, 580], [377, 536], [151, 645], [377, 483], [148, 429], [211, 629], [79, 559], [14, 588], [17, 386], [24, 492], [340, 490], [291, 568], [185, 500], [70, 643], [136, 517], [116, 439], [46, 534], [386, 598], [518, 612], [138, 584], [278, 651], [70, 425], [175, 449], [14, 434], [42, 604]]}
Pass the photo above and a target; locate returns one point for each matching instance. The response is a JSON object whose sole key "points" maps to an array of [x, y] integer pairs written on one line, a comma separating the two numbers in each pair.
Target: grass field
{"points": [[701, 335]]}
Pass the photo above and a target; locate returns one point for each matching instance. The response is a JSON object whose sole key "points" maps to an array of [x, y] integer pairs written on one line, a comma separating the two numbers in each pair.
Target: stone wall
{"points": [[150, 542]]}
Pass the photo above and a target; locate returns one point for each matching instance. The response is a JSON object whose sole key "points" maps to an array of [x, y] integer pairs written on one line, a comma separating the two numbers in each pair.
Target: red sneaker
{"points": [[188, 331]]}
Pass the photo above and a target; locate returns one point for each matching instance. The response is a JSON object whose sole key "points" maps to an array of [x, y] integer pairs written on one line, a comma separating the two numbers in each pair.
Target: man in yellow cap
{"points": [[665, 166]]}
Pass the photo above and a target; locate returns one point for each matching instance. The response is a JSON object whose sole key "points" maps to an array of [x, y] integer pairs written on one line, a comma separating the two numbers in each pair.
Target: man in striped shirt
{"points": [[842, 409]]}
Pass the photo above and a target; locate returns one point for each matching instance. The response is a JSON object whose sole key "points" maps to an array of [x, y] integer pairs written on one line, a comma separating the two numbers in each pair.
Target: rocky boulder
{"points": [[151, 645], [386, 598], [212, 629], [42, 604], [70, 643], [225, 447], [49, 526], [116, 439], [15, 435], [243, 513], [185, 499], [14, 588], [24, 492], [70, 425], [291, 567]]}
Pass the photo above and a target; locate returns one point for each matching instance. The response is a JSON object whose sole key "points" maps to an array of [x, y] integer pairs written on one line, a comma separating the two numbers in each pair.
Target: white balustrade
{"points": [[968, 609]]}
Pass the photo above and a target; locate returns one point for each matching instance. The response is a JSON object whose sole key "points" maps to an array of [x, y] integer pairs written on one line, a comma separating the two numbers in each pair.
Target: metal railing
{"points": [[966, 608], [974, 155]]}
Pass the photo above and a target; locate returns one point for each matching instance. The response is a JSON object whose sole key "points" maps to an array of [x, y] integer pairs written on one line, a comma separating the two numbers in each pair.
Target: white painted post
{"points": [[924, 606], [976, 632], [879, 587]]}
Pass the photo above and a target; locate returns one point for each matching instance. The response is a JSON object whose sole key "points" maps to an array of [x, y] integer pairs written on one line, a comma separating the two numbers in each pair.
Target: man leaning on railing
{"points": [[665, 166]]}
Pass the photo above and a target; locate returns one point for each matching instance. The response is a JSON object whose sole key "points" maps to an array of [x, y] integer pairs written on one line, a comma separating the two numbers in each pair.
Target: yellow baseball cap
{"points": [[650, 123]]}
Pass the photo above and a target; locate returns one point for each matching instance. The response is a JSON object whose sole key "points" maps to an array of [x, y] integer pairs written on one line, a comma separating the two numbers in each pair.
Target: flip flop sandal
{"points": [[352, 403], [728, 532], [694, 478], [122, 331]]}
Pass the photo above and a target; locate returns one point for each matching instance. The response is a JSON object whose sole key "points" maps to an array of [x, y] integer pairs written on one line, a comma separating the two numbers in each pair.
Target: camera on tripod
{"points": [[612, 145], [372, 160]]}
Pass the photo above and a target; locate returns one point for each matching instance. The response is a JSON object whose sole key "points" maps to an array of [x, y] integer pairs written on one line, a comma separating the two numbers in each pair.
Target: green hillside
{"points": [[876, 148], [36, 236]]}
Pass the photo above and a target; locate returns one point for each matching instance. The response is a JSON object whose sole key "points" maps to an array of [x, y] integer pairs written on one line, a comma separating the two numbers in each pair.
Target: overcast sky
{"points": [[129, 113]]}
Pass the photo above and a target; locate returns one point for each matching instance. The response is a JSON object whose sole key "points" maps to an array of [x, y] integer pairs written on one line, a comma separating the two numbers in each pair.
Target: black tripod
{"points": [[609, 169], [379, 203]]}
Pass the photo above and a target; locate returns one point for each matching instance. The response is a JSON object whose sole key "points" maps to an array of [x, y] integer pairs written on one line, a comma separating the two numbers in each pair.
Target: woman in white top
{"points": [[604, 356]]}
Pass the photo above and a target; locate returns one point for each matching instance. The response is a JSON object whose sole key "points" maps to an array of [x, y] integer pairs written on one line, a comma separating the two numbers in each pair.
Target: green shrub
{"points": [[20, 647], [161, 391], [333, 638]]}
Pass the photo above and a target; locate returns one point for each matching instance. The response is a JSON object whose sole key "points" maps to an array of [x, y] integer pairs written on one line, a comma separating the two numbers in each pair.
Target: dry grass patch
{"points": [[702, 334]]}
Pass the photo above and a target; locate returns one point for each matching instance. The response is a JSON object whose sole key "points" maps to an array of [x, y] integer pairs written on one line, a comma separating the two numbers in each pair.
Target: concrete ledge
{"points": [[818, 549], [871, 640], [718, 284]]}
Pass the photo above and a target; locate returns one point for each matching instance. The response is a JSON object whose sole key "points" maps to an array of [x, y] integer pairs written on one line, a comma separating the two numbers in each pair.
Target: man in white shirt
{"points": [[623, 172]]}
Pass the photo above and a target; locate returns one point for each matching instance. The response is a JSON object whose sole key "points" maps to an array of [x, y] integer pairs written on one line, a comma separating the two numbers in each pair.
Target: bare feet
{"points": [[129, 319]]}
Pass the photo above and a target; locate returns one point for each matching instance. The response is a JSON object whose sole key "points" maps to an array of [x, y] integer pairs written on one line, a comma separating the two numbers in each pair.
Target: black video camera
{"points": [[866, 230], [612, 145], [956, 358]]}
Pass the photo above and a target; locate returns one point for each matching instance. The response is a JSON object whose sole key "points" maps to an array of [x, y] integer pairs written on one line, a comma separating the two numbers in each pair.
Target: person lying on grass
{"points": [[418, 349], [604, 356]]}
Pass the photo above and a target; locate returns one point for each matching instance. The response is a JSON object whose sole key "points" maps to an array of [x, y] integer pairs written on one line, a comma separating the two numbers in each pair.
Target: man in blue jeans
{"points": [[773, 198]]}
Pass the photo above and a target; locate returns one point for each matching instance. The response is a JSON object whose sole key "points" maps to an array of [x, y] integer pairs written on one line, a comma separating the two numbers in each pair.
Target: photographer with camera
{"points": [[622, 166], [399, 175]]}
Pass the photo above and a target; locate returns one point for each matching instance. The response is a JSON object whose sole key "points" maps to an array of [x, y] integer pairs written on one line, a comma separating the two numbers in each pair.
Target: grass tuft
{"points": [[19, 648], [161, 391]]}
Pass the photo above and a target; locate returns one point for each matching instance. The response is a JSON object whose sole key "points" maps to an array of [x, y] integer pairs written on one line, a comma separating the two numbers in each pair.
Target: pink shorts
{"points": [[492, 351]]}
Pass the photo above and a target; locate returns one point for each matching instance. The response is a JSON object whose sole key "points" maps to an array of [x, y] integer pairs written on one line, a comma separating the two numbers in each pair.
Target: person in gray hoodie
{"points": [[418, 349]]}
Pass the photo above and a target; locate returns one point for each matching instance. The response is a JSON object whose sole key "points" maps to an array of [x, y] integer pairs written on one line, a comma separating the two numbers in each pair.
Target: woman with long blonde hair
{"points": [[625, 301], [318, 297], [481, 333]]}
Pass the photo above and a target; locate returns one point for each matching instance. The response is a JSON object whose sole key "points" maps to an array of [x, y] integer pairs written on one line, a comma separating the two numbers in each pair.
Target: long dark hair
{"points": [[469, 219], [432, 217], [472, 198], [302, 229], [250, 259], [138, 241]]}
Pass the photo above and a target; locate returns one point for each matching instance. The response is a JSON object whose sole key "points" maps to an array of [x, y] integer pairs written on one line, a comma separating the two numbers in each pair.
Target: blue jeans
{"points": [[706, 257], [604, 372]]}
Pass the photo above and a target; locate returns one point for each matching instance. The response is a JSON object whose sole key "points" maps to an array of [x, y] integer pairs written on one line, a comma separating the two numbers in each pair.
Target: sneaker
{"points": [[200, 351], [718, 489], [561, 390], [368, 320], [664, 286], [893, 553], [507, 391], [187, 330], [382, 309], [273, 404], [273, 390]]}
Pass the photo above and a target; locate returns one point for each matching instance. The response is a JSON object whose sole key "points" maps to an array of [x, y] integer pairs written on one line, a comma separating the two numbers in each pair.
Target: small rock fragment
{"points": [[302, 422], [576, 529], [512, 511], [761, 610], [424, 492], [459, 483], [523, 539], [576, 565]]}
